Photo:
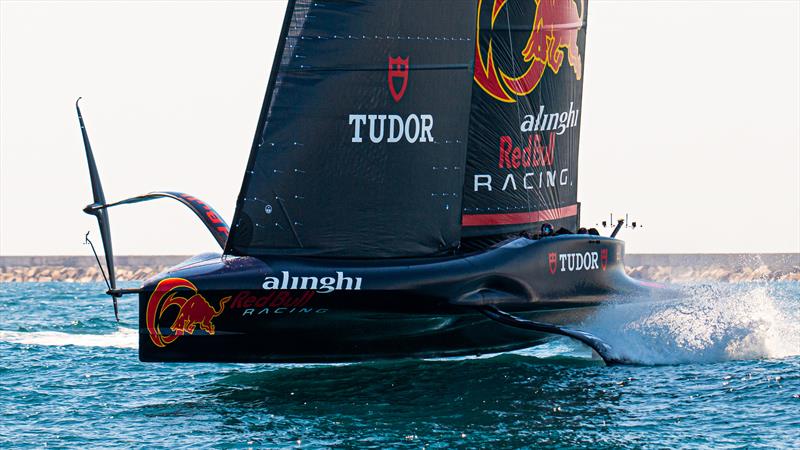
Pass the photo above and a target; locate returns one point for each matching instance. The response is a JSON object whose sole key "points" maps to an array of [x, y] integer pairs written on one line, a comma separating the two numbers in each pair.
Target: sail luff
{"points": [[273, 75]]}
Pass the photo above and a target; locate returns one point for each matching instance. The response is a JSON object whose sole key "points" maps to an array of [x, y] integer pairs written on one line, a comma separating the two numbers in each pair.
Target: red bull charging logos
{"points": [[554, 33], [193, 310]]}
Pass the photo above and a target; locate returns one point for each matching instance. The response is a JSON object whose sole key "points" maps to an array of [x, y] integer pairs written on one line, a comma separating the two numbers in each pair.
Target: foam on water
{"points": [[122, 338], [711, 324]]}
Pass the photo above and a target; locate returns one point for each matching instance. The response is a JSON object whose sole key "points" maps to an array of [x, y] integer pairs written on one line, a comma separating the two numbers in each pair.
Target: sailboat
{"points": [[411, 192]]}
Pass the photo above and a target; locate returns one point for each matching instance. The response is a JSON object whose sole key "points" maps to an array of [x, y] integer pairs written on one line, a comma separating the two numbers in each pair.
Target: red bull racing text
{"points": [[577, 262], [258, 304]]}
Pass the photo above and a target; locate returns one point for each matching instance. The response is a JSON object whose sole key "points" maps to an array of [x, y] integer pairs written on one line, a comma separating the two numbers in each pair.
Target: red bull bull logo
{"points": [[554, 32], [193, 310]]}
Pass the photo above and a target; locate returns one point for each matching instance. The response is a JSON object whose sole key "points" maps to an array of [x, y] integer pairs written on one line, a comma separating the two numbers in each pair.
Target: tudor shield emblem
{"points": [[552, 258], [604, 258], [398, 77]]}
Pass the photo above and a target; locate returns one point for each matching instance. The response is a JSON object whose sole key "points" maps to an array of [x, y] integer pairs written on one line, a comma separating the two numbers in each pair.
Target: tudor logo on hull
{"points": [[378, 128], [577, 262]]}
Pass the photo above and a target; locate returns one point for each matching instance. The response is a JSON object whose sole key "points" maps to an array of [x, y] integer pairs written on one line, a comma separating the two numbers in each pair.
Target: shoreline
{"points": [[676, 268]]}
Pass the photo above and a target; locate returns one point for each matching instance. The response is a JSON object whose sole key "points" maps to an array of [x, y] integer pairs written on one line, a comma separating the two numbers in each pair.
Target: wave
{"points": [[122, 338], [711, 324]]}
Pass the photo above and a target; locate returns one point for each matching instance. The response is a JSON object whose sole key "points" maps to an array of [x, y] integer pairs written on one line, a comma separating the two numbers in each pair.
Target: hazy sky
{"points": [[690, 121]]}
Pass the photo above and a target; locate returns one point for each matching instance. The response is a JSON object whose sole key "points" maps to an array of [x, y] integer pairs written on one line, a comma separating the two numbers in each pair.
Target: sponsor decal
{"points": [[323, 285], [534, 155], [194, 312], [552, 259], [398, 72], [554, 34], [537, 159], [577, 262], [389, 128], [557, 122], [210, 214], [274, 303], [528, 180]]}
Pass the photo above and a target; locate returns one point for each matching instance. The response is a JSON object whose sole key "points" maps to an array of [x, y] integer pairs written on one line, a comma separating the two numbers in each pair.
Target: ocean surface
{"points": [[719, 369]]}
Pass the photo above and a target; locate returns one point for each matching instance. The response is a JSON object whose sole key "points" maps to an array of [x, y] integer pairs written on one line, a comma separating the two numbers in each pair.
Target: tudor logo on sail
{"points": [[323, 285], [398, 71], [392, 128]]}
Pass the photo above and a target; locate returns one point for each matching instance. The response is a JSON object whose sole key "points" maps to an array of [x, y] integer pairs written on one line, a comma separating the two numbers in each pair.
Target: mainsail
{"points": [[361, 143], [395, 128], [522, 157]]}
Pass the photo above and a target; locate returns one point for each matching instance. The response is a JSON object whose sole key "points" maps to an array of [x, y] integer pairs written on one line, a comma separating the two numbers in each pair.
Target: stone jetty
{"points": [[81, 269]]}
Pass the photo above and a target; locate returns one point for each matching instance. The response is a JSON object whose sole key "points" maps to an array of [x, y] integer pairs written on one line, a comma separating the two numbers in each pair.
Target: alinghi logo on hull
{"points": [[323, 285]]}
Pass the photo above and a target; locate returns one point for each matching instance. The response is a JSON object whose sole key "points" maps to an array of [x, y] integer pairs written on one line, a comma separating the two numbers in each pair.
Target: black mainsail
{"points": [[395, 128], [362, 138]]}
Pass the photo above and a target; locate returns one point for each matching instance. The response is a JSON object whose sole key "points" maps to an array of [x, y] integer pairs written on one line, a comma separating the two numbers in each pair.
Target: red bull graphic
{"points": [[554, 32], [398, 72], [522, 155], [193, 310]]}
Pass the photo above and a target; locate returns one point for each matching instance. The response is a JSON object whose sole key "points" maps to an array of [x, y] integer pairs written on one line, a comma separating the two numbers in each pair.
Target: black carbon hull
{"points": [[243, 309]]}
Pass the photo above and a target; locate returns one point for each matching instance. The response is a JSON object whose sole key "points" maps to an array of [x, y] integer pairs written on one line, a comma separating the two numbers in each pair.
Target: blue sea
{"points": [[718, 369]]}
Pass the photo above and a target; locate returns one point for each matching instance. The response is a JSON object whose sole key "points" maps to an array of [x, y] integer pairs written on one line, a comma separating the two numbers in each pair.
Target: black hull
{"points": [[354, 336], [244, 309]]}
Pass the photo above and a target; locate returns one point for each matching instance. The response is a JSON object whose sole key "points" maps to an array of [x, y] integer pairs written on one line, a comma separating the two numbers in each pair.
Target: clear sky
{"points": [[690, 121]]}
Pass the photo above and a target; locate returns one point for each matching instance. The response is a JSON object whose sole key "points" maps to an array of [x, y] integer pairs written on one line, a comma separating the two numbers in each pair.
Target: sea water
{"points": [[717, 369]]}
